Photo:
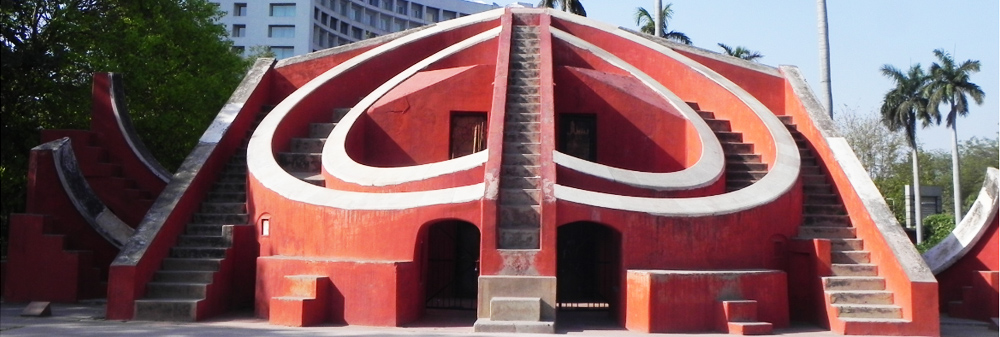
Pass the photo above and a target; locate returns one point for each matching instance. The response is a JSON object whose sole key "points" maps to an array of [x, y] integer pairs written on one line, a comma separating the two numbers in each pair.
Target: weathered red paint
{"points": [[969, 287]]}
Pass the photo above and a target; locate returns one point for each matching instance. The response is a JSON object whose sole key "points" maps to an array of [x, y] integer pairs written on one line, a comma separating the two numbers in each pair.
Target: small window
{"points": [[281, 31], [239, 30], [285, 10], [387, 5], [448, 15], [432, 14], [283, 52], [239, 9], [418, 11], [373, 2]]}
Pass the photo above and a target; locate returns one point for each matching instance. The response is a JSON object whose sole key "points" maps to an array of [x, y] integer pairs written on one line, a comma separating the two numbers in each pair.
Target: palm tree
{"points": [[950, 84], [741, 52], [903, 106], [572, 6], [647, 24]]}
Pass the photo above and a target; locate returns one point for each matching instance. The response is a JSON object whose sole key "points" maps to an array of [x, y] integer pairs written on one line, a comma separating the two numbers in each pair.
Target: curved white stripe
{"points": [[707, 170], [970, 230], [262, 165], [339, 164], [779, 179]]}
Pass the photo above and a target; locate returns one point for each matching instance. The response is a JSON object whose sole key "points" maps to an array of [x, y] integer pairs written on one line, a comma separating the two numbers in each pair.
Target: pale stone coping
{"points": [[128, 132], [705, 172], [883, 218], [149, 228], [705, 272], [736, 61], [263, 166], [339, 164], [779, 179], [348, 47], [970, 230], [83, 198]]}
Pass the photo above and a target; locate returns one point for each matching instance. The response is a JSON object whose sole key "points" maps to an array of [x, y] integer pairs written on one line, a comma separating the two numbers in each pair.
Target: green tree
{"points": [[572, 6], [741, 52], [179, 71], [647, 24], [901, 108], [949, 84]]}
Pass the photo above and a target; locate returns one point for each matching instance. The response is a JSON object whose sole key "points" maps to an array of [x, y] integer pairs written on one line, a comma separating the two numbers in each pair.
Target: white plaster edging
{"points": [[705, 172], [87, 203], [779, 180], [970, 230], [339, 164], [128, 130], [262, 165], [883, 218]]}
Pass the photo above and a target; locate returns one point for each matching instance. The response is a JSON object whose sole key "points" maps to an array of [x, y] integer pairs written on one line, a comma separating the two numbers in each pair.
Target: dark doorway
{"points": [[578, 135], [452, 274], [468, 133], [587, 266]]}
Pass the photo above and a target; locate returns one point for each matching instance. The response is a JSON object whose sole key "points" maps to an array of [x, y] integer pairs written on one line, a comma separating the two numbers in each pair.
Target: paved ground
{"points": [[87, 319]]}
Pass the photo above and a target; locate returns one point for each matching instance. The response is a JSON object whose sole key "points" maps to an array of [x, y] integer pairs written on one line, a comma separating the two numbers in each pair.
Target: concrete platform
{"points": [[87, 319]]}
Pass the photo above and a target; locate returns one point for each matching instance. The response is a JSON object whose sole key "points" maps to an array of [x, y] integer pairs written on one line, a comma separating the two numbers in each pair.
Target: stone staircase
{"points": [[854, 288], [741, 318], [189, 285], [743, 166], [304, 157], [65, 265], [306, 303], [520, 191]]}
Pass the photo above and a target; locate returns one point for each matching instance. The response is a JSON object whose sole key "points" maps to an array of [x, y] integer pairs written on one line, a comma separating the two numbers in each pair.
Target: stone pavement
{"points": [[87, 319]]}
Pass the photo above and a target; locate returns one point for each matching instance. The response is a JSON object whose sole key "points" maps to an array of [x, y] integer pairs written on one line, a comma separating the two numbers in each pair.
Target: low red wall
{"points": [[966, 273]]}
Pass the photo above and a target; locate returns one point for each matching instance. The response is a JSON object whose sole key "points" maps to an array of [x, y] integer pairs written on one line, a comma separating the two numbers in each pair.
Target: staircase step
{"points": [[220, 218], [520, 159], [737, 148], [301, 162], [521, 216], [749, 328], [705, 114], [526, 148], [192, 276], [519, 196], [523, 98], [223, 207], [522, 79], [729, 136], [203, 229], [745, 166], [746, 157], [519, 170], [523, 112], [868, 311], [812, 179], [191, 264], [824, 232], [233, 177], [829, 220], [175, 290], [817, 189], [339, 113], [522, 73], [182, 310], [522, 89], [745, 175], [521, 137], [846, 244], [854, 269], [850, 256], [198, 252], [822, 198], [519, 238], [520, 182], [860, 297], [230, 187], [223, 196], [851, 283], [321, 130], [202, 241], [827, 209], [718, 125], [522, 127], [307, 145]]}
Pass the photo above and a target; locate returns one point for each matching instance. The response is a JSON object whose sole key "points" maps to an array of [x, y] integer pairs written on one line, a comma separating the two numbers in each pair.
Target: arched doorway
{"points": [[451, 265], [588, 260]]}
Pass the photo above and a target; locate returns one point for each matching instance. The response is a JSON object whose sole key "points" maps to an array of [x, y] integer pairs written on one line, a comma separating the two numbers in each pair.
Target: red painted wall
{"points": [[965, 273]]}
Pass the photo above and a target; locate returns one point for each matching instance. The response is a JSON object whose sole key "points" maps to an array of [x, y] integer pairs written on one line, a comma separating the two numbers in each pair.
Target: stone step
{"points": [[810, 170], [192, 276], [693, 105], [223, 207], [178, 310], [825, 208], [175, 290], [521, 137], [517, 170], [749, 328], [301, 162], [203, 229], [812, 179], [860, 297], [718, 125], [522, 74], [220, 218], [221, 196], [529, 148], [850, 256], [198, 252], [519, 216], [527, 65], [522, 98], [523, 112], [852, 283], [829, 220], [729, 136], [522, 80], [522, 90], [233, 177], [868, 311], [705, 114], [223, 186], [735, 184], [524, 58], [522, 127], [520, 182], [745, 175], [737, 148], [190, 264], [822, 198], [320, 130], [787, 120], [520, 196], [339, 113], [745, 157], [854, 269], [846, 244], [307, 145], [202, 241], [817, 189], [823, 232], [745, 166], [525, 34], [519, 238], [520, 159]]}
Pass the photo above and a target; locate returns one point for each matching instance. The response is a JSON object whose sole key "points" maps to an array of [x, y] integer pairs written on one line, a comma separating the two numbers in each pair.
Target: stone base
{"points": [[487, 325]]}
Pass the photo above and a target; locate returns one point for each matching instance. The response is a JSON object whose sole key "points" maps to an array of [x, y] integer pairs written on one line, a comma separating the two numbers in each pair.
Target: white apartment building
{"points": [[295, 27]]}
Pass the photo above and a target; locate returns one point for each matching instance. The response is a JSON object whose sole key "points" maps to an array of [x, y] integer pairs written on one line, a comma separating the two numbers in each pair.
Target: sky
{"points": [[864, 35]]}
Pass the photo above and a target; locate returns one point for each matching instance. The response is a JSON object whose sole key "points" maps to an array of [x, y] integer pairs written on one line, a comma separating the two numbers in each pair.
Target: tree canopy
{"points": [[572, 6], [179, 70]]}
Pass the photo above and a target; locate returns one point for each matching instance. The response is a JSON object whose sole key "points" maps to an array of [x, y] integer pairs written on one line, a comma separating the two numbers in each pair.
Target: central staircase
{"points": [[304, 157], [743, 166], [520, 192]]}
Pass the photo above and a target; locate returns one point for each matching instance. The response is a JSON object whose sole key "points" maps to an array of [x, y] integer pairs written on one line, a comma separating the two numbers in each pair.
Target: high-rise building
{"points": [[294, 27]]}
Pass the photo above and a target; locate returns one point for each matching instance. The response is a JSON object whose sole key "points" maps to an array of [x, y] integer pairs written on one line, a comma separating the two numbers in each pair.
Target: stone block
{"points": [[540, 287], [515, 309], [37, 309]]}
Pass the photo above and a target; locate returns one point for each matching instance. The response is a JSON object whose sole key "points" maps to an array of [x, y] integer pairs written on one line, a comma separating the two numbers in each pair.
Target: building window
{"points": [[387, 5], [401, 7], [383, 22], [239, 9], [432, 14], [373, 3], [283, 10], [239, 49], [239, 30], [418, 11], [281, 31], [448, 15], [282, 51]]}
